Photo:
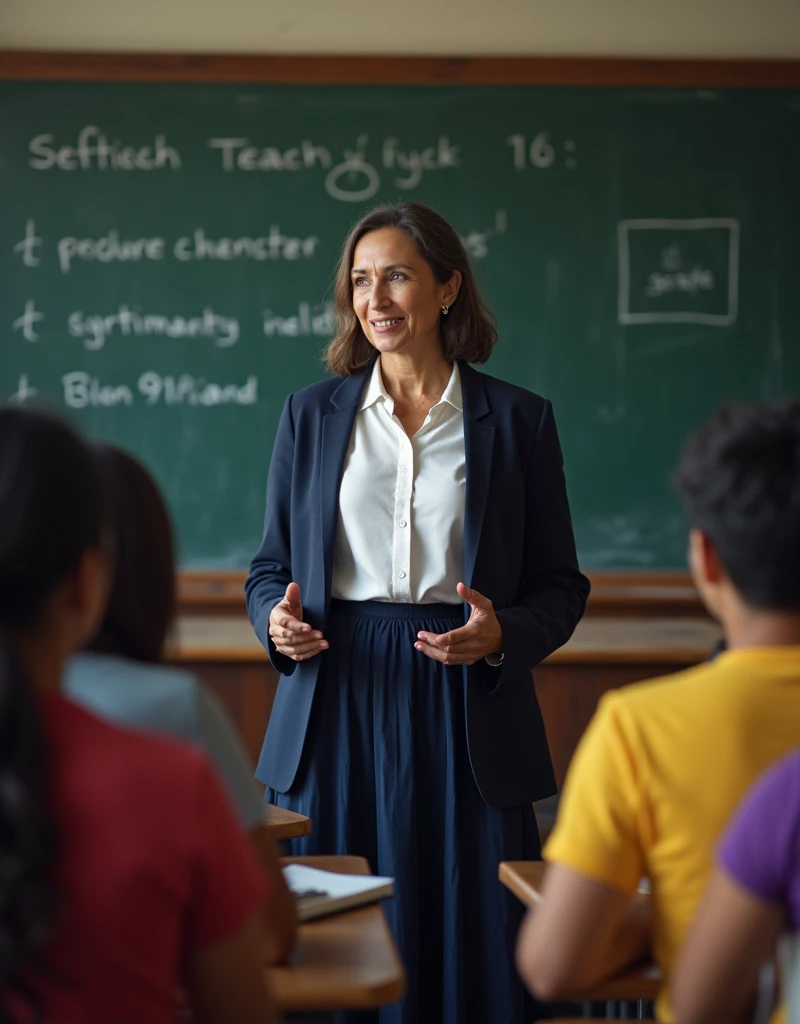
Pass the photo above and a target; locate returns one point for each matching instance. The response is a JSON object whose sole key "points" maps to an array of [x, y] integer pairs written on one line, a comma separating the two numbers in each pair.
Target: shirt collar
{"points": [[452, 393], [375, 389]]}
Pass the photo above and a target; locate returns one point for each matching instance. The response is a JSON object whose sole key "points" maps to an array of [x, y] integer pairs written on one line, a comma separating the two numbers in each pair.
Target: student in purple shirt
{"points": [[752, 898]]}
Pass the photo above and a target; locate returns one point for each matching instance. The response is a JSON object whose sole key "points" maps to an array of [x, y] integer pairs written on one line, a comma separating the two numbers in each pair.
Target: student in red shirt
{"points": [[124, 877]]}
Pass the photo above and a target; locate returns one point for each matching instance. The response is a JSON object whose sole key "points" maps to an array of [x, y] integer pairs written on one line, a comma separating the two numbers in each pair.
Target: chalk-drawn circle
{"points": [[350, 195]]}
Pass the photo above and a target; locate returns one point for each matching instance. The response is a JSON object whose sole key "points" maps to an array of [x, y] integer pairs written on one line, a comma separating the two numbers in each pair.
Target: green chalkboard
{"points": [[167, 250]]}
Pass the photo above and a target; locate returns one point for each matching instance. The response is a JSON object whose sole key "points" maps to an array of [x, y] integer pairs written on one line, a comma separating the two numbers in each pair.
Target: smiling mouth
{"points": [[388, 322]]}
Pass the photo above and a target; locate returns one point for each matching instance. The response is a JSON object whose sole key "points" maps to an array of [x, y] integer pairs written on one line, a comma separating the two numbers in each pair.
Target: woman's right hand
{"points": [[291, 636]]}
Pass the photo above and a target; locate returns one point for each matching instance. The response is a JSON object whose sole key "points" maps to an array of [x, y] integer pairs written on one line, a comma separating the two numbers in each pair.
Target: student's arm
{"points": [[227, 979], [589, 922], [734, 934], [582, 932], [221, 742], [280, 912]]}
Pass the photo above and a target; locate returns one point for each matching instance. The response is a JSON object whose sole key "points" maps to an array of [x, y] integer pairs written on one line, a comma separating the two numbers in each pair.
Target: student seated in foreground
{"points": [[753, 897], [121, 676], [125, 877], [663, 764]]}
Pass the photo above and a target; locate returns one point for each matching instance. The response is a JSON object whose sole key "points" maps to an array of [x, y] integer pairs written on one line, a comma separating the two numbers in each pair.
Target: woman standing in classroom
{"points": [[417, 562]]}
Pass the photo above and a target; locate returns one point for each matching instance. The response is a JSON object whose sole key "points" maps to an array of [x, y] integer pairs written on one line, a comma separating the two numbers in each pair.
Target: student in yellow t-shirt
{"points": [[664, 764]]}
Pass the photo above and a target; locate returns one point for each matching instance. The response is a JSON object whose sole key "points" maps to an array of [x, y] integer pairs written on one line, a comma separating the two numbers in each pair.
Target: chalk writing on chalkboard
{"points": [[679, 271], [355, 178], [200, 246], [82, 391], [94, 151], [539, 152], [125, 322], [167, 257]]}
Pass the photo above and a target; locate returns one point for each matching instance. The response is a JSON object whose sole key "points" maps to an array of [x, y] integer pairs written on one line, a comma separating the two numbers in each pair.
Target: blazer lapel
{"points": [[337, 428], [478, 447]]}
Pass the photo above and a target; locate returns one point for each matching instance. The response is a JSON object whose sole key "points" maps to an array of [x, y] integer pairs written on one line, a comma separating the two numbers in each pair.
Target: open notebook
{"points": [[325, 892]]}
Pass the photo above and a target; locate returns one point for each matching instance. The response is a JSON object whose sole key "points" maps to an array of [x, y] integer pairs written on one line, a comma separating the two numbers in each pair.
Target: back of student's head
{"points": [[52, 521], [142, 603], [740, 480]]}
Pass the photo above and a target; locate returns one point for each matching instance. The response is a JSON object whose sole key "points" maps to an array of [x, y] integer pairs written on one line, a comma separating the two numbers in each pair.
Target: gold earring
{"points": [[445, 310]]}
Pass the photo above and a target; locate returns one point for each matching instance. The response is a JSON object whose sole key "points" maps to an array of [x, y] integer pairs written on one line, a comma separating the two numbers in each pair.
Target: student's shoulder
{"points": [[177, 682], [89, 666], [653, 698], [86, 744], [131, 692]]}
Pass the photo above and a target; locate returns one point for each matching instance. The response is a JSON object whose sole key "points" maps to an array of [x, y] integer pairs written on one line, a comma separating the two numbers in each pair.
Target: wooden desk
{"points": [[642, 981], [524, 878], [344, 962], [283, 824]]}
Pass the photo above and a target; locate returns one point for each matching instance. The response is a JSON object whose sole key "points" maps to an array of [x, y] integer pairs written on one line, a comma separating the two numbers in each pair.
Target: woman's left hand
{"points": [[481, 635]]}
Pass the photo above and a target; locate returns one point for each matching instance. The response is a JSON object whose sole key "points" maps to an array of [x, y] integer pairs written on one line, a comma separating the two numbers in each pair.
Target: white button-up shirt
{"points": [[400, 535]]}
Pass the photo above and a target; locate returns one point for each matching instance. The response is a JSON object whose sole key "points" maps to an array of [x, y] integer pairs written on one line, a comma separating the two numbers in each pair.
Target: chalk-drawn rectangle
{"points": [[700, 289]]}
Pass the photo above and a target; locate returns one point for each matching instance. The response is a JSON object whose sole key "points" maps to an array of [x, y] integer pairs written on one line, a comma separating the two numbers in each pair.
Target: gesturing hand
{"points": [[481, 635], [291, 636]]}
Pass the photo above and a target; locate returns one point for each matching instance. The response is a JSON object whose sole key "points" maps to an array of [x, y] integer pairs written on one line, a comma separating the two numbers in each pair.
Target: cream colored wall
{"points": [[669, 28]]}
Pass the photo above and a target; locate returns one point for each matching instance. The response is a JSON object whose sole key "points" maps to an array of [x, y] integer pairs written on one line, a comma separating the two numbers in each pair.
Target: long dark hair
{"points": [[468, 332], [52, 511], [142, 603]]}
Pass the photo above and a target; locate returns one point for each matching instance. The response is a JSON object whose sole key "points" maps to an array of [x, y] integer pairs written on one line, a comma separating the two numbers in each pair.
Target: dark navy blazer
{"points": [[519, 551]]}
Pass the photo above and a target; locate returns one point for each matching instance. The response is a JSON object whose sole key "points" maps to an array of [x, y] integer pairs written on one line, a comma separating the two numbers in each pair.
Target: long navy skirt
{"points": [[386, 775]]}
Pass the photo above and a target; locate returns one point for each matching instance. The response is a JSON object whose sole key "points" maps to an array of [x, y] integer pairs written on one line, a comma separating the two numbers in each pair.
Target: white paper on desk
{"points": [[341, 892]]}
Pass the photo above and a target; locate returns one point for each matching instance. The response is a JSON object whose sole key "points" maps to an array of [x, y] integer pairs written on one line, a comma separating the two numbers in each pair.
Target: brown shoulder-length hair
{"points": [[142, 602], [468, 332]]}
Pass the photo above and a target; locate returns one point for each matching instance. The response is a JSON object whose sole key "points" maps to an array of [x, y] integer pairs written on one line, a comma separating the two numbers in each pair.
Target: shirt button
{"points": [[403, 522], [402, 575]]}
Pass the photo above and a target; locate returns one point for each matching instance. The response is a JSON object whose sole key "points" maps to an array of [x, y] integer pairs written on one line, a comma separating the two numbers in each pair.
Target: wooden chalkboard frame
{"points": [[220, 591], [27, 65]]}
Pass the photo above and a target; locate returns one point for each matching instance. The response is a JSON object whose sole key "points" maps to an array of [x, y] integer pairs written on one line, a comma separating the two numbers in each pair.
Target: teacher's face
{"points": [[396, 298]]}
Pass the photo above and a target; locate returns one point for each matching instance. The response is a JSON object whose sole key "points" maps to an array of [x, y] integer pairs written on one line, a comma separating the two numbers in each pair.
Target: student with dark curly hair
{"points": [[663, 764]]}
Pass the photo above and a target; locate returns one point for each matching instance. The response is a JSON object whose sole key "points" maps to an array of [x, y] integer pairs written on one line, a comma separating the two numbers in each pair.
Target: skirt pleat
{"points": [[386, 775]]}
